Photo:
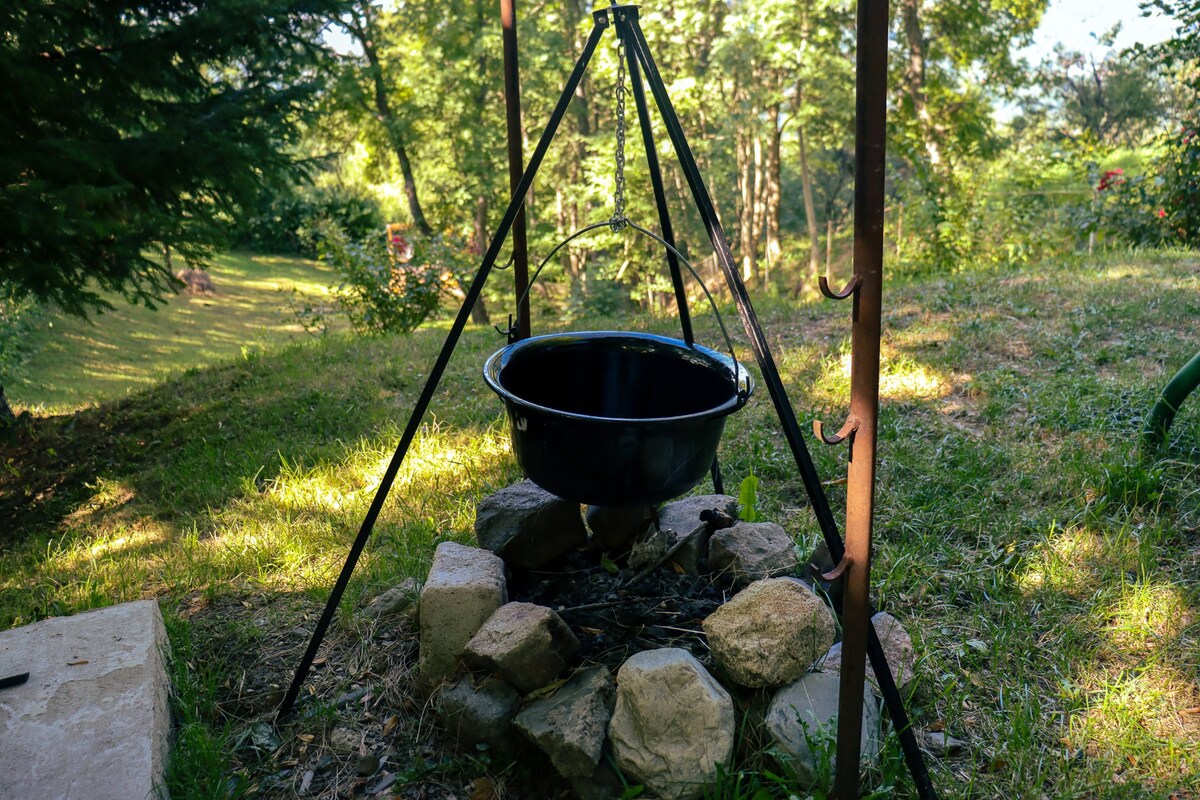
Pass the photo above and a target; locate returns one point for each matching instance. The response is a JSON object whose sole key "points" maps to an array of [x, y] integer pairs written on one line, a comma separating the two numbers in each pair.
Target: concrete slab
{"points": [[93, 720]]}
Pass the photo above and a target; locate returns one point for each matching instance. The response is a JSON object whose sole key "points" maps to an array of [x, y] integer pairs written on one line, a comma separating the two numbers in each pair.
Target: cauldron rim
{"points": [[729, 369]]}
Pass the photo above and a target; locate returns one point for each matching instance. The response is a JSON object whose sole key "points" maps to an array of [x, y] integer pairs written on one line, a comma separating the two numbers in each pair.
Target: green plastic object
{"points": [[1173, 394]]}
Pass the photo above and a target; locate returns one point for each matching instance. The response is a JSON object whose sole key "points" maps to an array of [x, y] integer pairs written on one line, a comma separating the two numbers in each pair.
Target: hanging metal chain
{"points": [[618, 221]]}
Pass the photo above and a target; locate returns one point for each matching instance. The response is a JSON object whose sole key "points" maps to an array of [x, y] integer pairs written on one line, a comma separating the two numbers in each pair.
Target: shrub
{"points": [[17, 319], [377, 293], [288, 222], [1181, 185], [1123, 207]]}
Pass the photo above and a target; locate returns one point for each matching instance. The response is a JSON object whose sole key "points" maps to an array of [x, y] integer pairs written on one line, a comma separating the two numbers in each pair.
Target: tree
{"points": [[127, 128], [1117, 101], [952, 51]]}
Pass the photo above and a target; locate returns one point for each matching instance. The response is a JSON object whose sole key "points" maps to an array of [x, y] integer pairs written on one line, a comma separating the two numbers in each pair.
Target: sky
{"points": [[1073, 22]]}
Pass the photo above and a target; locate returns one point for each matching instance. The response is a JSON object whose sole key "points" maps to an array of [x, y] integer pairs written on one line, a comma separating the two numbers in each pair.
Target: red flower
{"points": [[1162, 212], [1114, 177]]}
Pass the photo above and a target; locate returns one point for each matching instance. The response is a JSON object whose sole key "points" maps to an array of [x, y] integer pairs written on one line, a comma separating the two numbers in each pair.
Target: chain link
{"points": [[618, 221]]}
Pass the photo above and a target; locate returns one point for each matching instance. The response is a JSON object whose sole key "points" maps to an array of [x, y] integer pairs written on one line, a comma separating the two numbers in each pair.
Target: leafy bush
{"points": [[1181, 185], [17, 318], [289, 222], [1004, 213], [1124, 207], [377, 293]]}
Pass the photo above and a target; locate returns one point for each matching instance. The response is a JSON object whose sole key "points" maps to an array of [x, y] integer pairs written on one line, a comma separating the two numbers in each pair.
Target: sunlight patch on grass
{"points": [[1146, 615], [1136, 720], [1074, 561], [76, 363]]}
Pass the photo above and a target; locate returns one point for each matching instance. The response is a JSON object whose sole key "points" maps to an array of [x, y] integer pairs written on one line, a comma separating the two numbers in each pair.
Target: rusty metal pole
{"points": [[516, 161], [870, 129]]}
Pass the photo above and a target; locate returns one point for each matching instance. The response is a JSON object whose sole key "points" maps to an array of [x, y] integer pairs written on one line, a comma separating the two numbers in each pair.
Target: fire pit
{"points": [[616, 418]]}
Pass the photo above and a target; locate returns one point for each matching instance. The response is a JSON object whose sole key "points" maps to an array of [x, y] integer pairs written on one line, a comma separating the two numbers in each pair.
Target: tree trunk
{"points": [[479, 314], [745, 181], [914, 79], [7, 417], [361, 29], [828, 247], [774, 191], [810, 211], [760, 205]]}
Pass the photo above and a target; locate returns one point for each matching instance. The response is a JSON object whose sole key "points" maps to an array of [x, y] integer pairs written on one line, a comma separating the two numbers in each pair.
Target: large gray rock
{"points": [[803, 717], [681, 517], [613, 528], [465, 586], [770, 633], [480, 711], [527, 645], [527, 526], [673, 726], [569, 726], [897, 649], [752, 550], [93, 719]]}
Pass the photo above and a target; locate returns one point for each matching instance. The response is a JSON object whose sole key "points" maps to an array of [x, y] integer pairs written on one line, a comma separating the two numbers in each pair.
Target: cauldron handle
{"points": [[741, 384]]}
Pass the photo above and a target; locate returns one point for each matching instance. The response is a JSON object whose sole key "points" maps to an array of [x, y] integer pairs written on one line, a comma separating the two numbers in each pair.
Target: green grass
{"points": [[130, 348], [1014, 509]]}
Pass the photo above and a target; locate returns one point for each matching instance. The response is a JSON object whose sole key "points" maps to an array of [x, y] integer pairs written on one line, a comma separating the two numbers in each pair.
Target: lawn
{"points": [[74, 363], [1048, 571]]}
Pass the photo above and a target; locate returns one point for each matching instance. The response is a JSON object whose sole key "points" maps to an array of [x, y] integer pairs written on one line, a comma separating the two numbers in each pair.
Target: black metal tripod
{"points": [[864, 288]]}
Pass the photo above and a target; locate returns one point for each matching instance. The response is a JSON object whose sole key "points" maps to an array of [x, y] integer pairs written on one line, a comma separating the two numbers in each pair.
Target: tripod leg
{"points": [[435, 374]]}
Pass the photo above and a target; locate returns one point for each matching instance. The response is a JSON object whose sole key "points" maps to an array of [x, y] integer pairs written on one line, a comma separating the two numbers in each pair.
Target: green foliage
{"points": [[199, 766], [377, 293], [131, 128], [17, 320], [1181, 184], [1119, 100], [748, 499], [1131, 485], [1125, 207], [288, 221]]}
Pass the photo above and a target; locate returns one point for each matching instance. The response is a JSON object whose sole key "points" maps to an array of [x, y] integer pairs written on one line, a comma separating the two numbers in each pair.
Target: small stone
{"points": [[770, 633], [803, 715], [648, 550], [897, 649], [366, 766], [344, 740], [527, 526], [569, 726], [465, 586], [673, 726], [480, 712], [384, 783], [682, 517], [941, 744], [395, 600], [526, 644], [752, 550], [612, 528]]}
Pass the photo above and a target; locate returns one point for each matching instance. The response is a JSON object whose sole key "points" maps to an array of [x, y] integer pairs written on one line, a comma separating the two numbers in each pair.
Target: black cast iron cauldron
{"points": [[614, 418]]}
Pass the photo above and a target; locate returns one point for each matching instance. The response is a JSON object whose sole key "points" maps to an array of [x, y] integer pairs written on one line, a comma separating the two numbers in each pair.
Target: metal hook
{"points": [[850, 289], [848, 429], [510, 333], [508, 264]]}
